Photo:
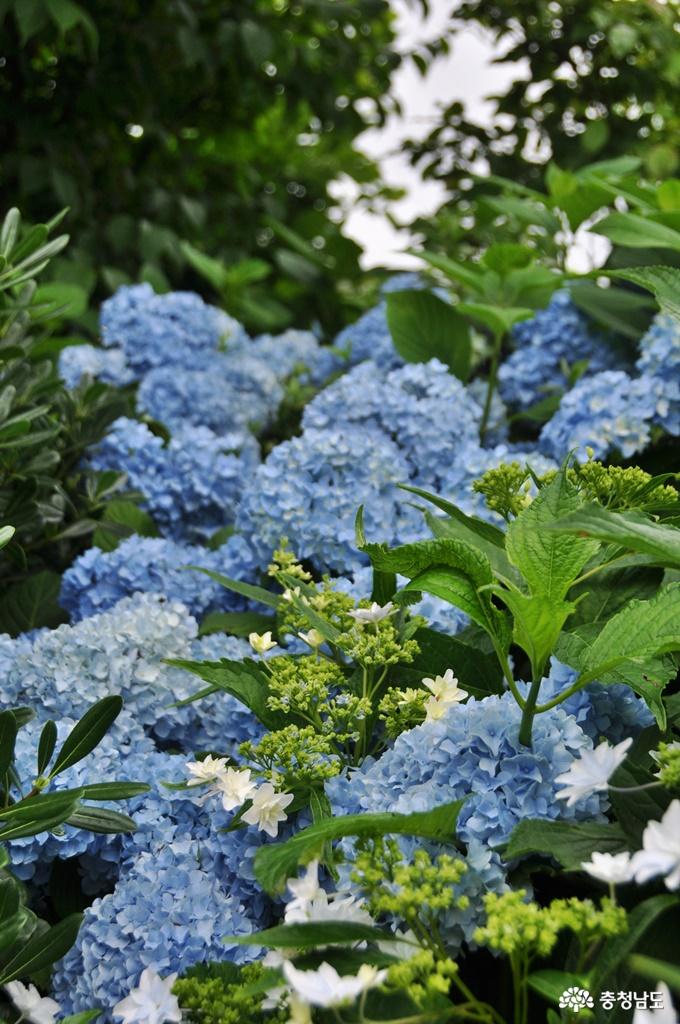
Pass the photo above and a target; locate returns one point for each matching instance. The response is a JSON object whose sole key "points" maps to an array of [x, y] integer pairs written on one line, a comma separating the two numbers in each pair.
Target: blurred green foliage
{"points": [[595, 79], [217, 122]]}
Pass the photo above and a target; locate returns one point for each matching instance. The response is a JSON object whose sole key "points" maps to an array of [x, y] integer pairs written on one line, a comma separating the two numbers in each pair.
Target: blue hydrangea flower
{"points": [[423, 408], [107, 365], [557, 336], [171, 908], [473, 752], [309, 490], [192, 485], [603, 712], [609, 411], [369, 338], [296, 353], [659, 364], [227, 393], [161, 330], [97, 580]]}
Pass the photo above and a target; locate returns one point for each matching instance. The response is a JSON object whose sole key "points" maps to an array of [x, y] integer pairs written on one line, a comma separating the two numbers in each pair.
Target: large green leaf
{"points": [[246, 680], [477, 671], [630, 530], [549, 562], [32, 603], [662, 282], [625, 312], [122, 519], [537, 623], [606, 593], [635, 232], [569, 843], [276, 862], [87, 733], [42, 950], [424, 327]]}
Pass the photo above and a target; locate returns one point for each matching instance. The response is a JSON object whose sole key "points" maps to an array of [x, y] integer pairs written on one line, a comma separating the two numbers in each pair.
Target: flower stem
{"points": [[491, 385], [528, 713]]}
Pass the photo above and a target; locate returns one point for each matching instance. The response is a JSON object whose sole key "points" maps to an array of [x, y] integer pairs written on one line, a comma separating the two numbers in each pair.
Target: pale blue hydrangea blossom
{"points": [[107, 365], [659, 364]]}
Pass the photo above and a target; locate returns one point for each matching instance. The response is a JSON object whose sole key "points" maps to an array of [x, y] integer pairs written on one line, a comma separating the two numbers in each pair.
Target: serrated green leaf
{"points": [[662, 282], [631, 530], [537, 623], [570, 843], [276, 862]]}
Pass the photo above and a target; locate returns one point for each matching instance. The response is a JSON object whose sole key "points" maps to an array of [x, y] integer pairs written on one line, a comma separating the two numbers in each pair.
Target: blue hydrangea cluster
{"points": [[659, 363], [294, 354], [369, 338], [123, 651], [474, 752], [97, 580], [553, 340], [230, 393], [425, 410], [107, 365], [603, 712], [608, 412], [309, 489], [171, 909], [192, 484], [176, 329]]}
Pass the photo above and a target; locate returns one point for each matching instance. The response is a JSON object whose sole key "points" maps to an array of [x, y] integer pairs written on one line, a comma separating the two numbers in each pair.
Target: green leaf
{"points": [[122, 519], [87, 733], [569, 843], [631, 530], [424, 327], [616, 950], [40, 813], [549, 563], [114, 790], [633, 810], [82, 1018], [551, 984], [6, 534], [46, 745], [100, 820], [9, 231], [244, 589], [656, 970], [537, 623], [606, 593], [42, 950], [467, 274], [308, 935], [32, 603], [212, 270], [499, 319], [8, 735], [477, 671], [276, 862], [635, 232], [625, 312], [246, 680], [662, 282], [236, 623]]}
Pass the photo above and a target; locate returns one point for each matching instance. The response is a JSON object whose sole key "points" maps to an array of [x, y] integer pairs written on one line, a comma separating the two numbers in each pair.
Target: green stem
{"points": [[491, 385], [528, 713]]}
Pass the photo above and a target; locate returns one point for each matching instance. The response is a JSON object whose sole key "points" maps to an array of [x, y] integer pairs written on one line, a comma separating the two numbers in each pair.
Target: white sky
{"points": [[466, 74]]}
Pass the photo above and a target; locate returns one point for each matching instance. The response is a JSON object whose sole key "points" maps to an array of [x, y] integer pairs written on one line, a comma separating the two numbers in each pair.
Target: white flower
{"points": [[325, 987], [304, 890], [261, 643], [591, 772], [404, 947], [31, 1005], [313, 638], [660, 853], [235, 786], [612, 868], [325, 908], [664, 1016], [152, 1002], [289, 594], [376, 613], [445, 692], [207, 770], [268, 809]]}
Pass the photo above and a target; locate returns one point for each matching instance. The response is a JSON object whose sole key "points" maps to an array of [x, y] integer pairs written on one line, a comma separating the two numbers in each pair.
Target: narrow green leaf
{"points": [[87, 733], [618, 949], [656, 970], [245, 589], [100, 820], [635, 232], [308, 935], [46, 745], [236, 623], [42, 950], [37, 814], [114, 790], [8, 735]]}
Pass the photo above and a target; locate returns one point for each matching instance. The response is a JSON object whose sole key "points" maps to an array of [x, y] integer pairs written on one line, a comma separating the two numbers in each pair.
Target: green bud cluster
{"points": [[423, 976], [505, 488], [283, 560], [668, 759], [299, 754], [402, 709], [302, 685], [514, 925], [412, 892], [209, 995], [381, 644]]}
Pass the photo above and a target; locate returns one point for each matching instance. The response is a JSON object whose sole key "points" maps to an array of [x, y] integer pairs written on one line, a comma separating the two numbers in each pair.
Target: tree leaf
{"points": [[310, 934], [569, 843], [46, 745], [635, 232], [42, 950], [424, 327], [631, 530], [276, 862], [100, 820], [87, 733], [548, 562]]}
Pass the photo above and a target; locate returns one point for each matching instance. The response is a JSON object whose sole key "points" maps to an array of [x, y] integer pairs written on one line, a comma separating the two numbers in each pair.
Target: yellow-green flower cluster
{"points": [[210, 994], [302, 685], [423, 976], [514, 925], [380, 645], [668, 759], [506, 488], [284, 560], [413, 892], [294, 755], [402, 709]]}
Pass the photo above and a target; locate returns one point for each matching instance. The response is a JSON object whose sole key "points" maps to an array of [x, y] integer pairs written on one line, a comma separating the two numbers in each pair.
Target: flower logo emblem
{"points": [[576, 999]]}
